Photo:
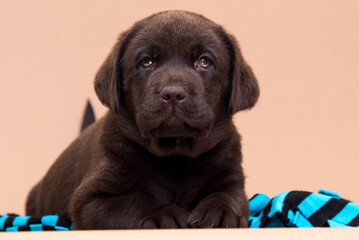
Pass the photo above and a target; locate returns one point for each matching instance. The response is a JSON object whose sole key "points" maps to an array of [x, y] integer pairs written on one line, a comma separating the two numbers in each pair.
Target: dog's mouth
{"points": [[174, 131], [180, 139], [165, 131], [175, 128]]}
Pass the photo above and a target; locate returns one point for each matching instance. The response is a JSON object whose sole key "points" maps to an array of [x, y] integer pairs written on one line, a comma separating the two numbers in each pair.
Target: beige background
{"points": [[302, 134]]}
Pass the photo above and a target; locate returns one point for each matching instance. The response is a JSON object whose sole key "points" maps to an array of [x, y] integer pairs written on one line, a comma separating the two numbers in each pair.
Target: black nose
{"points": [[173, 94]]}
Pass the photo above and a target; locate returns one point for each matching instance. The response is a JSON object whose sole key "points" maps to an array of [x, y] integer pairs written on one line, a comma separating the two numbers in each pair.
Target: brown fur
{"points": [[167, 154]]}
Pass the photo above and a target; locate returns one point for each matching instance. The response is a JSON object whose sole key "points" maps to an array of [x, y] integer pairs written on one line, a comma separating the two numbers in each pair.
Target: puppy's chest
{"points": [[176, 183]]}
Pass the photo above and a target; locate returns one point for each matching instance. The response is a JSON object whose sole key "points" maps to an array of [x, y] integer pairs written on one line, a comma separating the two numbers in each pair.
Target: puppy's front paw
{"points": [[166, 216], [216, 217]]}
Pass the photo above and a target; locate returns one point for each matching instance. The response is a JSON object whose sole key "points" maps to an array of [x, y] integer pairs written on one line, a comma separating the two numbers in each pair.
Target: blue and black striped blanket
{"points": [[288, 209]]}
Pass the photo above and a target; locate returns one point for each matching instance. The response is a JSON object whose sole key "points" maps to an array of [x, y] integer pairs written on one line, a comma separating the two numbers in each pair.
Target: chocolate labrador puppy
{"points": [[167, 154]]}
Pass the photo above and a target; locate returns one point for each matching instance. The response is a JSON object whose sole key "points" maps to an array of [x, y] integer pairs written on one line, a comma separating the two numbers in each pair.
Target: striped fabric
{"points": [[303, 209], [15, 223], [288, 209]]}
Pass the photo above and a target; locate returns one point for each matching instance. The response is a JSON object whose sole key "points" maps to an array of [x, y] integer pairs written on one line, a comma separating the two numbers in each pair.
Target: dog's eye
{"points": [[204, 62], [146, 62]]}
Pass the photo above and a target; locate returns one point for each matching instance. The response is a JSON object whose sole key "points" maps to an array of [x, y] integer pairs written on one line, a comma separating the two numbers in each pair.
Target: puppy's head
{"points": [[175, 75]]}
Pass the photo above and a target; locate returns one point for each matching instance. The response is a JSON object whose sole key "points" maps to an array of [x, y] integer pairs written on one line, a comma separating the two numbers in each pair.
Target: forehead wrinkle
{"points": [[175, 35], [177, 41]]}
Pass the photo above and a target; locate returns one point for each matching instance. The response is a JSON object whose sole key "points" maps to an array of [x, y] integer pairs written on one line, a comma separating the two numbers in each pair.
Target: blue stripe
{"points": [[302, 222], [313, 203], [298, 220], [257, 203], [20, 221], [256, 221], [49, 220], [275, 223], [36, 227], [61, 228], [12, 229], [335, 224], [277, 204], [349, 212], [2, 221]]}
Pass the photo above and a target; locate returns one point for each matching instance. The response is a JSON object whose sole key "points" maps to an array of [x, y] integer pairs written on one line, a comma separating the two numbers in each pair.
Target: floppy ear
{"points": [[107, 80], [245, 89]]}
